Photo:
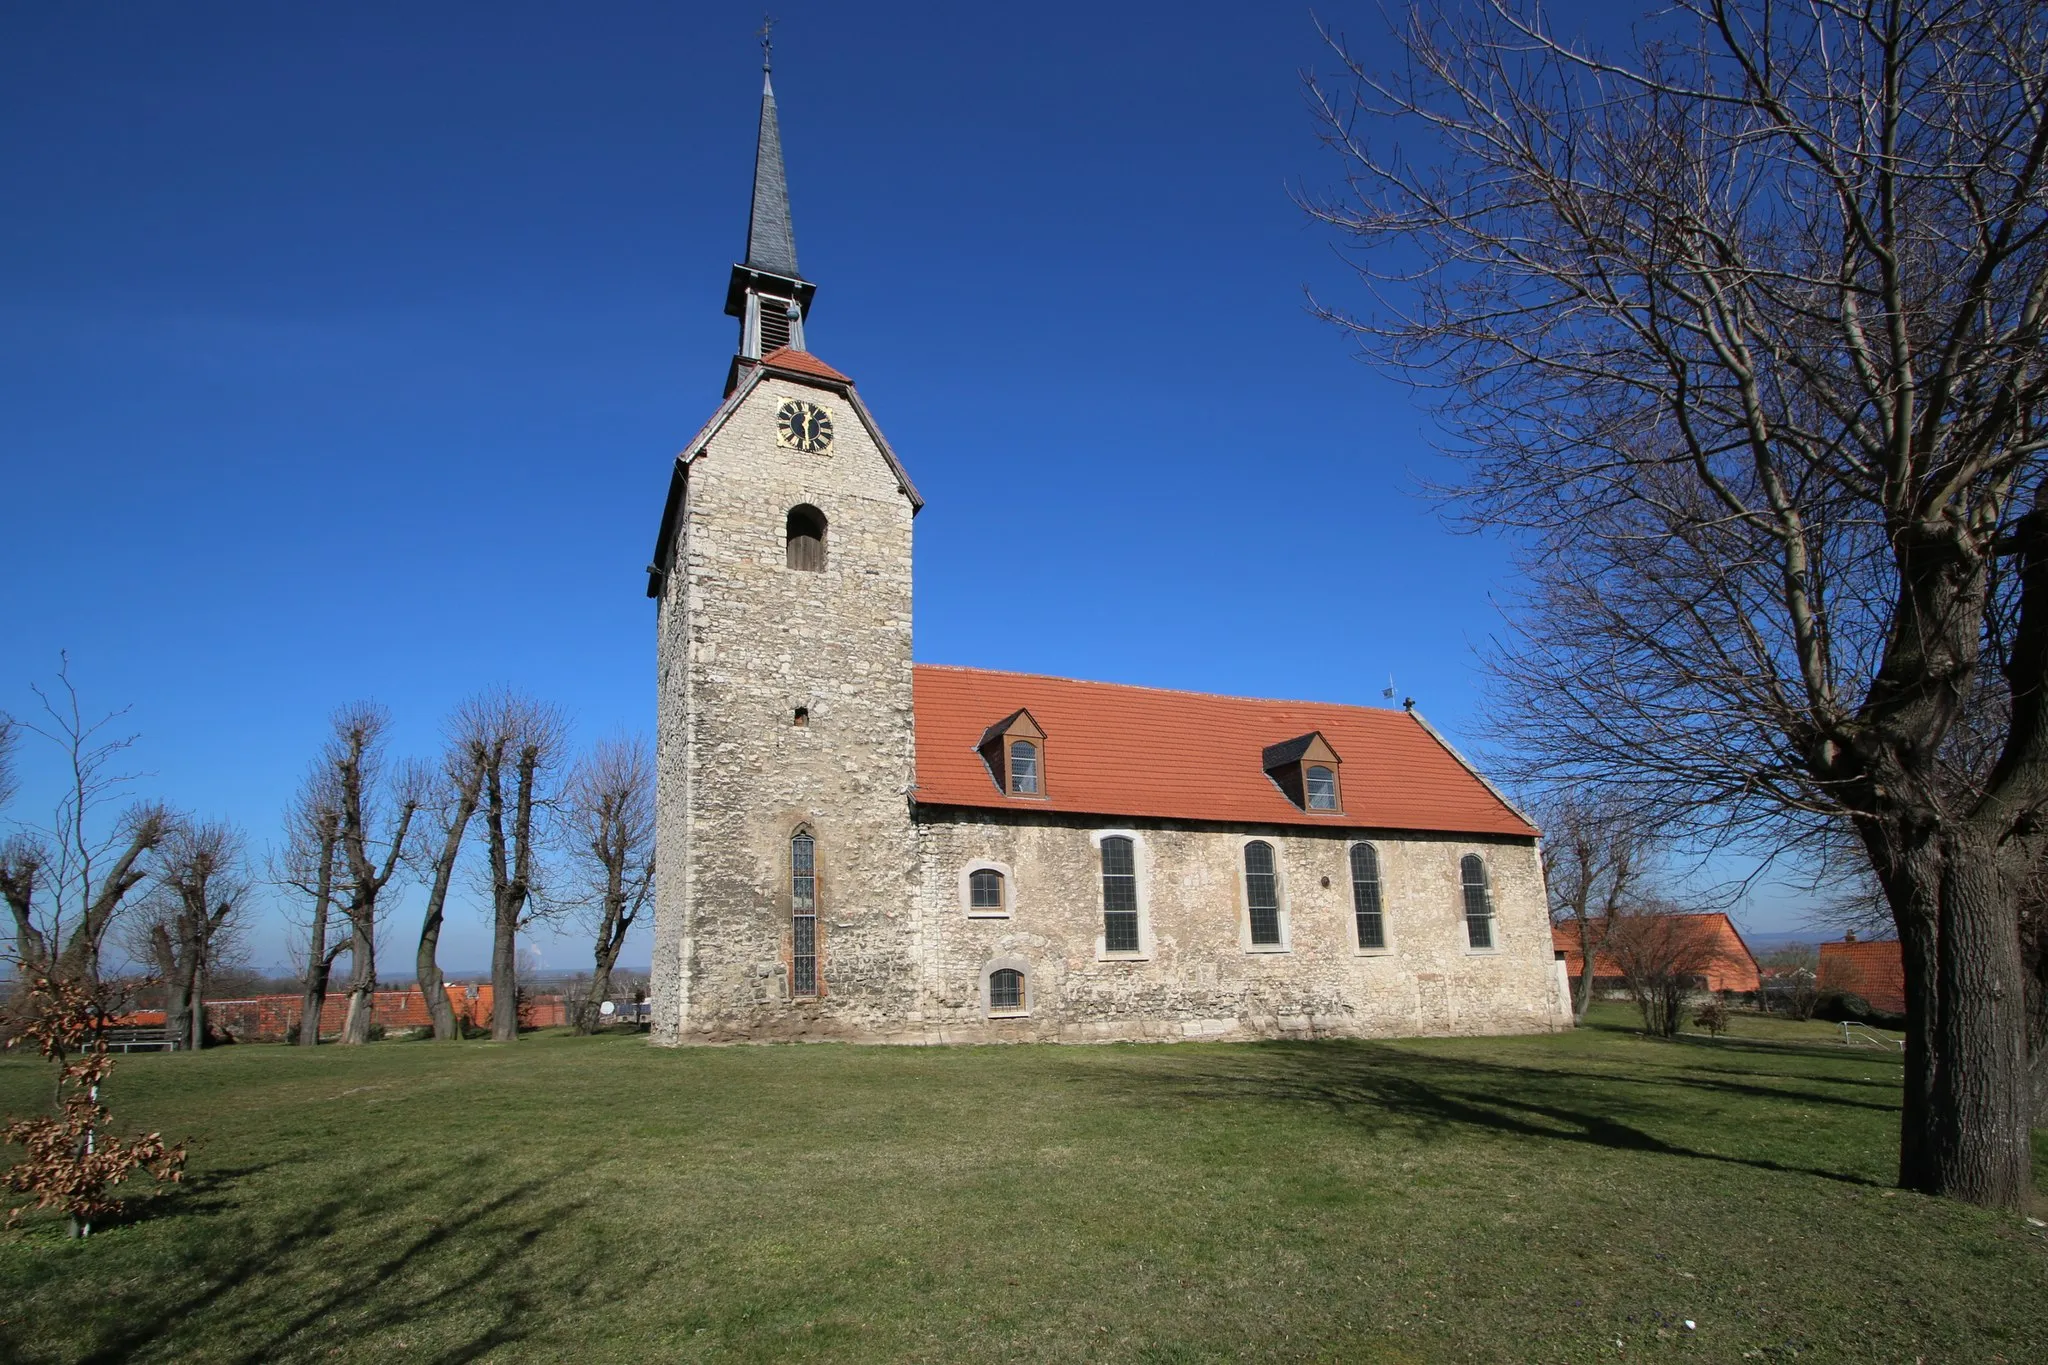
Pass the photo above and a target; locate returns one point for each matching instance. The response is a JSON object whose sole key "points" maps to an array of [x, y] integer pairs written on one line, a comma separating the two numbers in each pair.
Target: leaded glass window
{"points": [[1365, 896], [1119, 896], [1023, 768], [803, 915], [1478, 902], [985, 890], [1005, 990], [1322, 788], [1262, 893]]}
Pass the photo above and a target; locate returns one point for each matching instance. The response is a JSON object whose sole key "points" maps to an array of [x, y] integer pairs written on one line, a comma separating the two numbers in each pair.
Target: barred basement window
{"points": [[1119, 896], [985, 891], [1478, 901], [804, 538], [803, 915], [1005, 991], [1365, 896], [1322, 789], [1262, 893], [1023, 768]]}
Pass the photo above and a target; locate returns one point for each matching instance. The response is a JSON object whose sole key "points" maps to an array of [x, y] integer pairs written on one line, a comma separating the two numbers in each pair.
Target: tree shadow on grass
{"points": [[266, 1293], [1436, 1097]]}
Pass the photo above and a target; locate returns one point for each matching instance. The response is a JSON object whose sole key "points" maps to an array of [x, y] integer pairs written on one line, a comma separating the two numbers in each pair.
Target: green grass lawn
{"points": [[1540, 1199]]}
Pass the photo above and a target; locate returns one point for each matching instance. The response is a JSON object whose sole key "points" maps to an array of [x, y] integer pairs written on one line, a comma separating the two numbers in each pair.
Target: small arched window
{"points": [[1478, 901], [1023, 768], [1365, 896], [1262, 893], [1322, 788], [804, 538], [1005, 991], [803, 914], [1119, 896], [985, 891]]}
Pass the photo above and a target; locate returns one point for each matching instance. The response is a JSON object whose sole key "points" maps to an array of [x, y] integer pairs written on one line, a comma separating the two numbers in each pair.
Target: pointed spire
{"points": [[767, 293], [771, 241]]}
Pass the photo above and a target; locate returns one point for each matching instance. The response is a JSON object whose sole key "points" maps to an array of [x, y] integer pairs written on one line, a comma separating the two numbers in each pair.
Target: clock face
{"points": [[803, 426]]}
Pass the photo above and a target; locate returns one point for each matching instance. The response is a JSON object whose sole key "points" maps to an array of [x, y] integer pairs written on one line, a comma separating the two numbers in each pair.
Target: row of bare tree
{"points": [[500, 799], [539, 837]]}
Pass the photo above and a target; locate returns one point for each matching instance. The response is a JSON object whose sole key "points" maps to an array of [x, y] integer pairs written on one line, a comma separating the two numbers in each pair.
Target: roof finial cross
{"points": [[767, 39]]}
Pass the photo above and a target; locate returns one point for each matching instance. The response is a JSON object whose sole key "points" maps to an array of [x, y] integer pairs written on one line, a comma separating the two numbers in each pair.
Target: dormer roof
{"points": [[1017, 723], [1308, 748]]}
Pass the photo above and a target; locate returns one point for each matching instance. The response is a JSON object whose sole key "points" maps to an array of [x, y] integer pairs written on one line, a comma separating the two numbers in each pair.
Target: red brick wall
{"points": [[269, 1018]]}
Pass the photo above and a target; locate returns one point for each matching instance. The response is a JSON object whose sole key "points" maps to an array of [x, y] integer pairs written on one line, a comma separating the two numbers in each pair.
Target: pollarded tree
{"points": [[375, 824], [519, 745], [1741, 334], [186, 921], [309, 864], [451, 802], [608, 818]]}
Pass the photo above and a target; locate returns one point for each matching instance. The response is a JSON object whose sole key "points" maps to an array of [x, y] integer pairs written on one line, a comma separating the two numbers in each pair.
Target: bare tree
{"points": [[65, 882], [451, 804], [608, 812], [1596, 859], [186, 921], [1742, 335], [309, 864], [1664, 955], [521, 746], [371, 840], [1792, 979]]}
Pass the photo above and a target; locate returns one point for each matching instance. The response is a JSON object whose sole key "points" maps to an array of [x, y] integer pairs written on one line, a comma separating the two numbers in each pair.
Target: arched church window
{"points": [[1262, 893], [1478, 901], [1119, 896], [804, 536], [803, 914], [1365, 897]]}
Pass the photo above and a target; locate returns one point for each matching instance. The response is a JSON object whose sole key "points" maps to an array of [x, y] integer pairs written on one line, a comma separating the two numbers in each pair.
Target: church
{"points": [[854, 846]]}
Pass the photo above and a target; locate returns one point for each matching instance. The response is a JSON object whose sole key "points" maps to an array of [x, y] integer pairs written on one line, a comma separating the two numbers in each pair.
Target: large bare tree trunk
{"points": [[460, 787], [522, 742]]}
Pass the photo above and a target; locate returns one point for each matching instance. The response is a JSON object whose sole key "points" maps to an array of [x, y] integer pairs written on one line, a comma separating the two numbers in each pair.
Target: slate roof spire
{"points": [[768, 294], [771, 240]]}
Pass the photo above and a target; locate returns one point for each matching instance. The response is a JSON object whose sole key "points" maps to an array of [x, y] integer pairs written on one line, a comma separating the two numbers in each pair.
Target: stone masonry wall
{"points": [[1202, 978], [745, 642]]}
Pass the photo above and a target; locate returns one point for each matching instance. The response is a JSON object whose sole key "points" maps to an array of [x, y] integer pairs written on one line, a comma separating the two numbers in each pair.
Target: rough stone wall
{"points": [[1202, 978], [745, 641]]}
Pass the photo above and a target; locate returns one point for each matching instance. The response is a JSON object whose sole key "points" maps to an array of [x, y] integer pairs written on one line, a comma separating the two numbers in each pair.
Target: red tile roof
{"points": [[1874, 971], [802, 362], [1725, 960], [1150, 753]]}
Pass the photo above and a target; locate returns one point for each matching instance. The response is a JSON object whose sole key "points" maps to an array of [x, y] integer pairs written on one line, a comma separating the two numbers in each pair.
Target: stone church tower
{"points": [[786, 885]]}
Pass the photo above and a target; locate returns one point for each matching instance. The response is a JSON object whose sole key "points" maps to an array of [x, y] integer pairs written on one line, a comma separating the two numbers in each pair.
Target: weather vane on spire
{"points": [[767, 39]]}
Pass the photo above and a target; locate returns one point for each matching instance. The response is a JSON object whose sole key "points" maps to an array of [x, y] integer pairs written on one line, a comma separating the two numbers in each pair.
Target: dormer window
{"points": [[1014, 749], [1023, 768], [1305, 770]]}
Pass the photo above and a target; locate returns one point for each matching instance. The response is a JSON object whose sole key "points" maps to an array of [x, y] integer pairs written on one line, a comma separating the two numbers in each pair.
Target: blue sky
{"points": [[343, 354]]}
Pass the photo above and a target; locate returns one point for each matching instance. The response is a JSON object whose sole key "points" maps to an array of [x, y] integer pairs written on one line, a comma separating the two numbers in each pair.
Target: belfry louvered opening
{"points": [[774, 323]]}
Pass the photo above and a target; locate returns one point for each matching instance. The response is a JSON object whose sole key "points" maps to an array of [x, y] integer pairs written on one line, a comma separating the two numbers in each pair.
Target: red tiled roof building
{"points": [[1873, 971], [1712, 949], [856, 847]]}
